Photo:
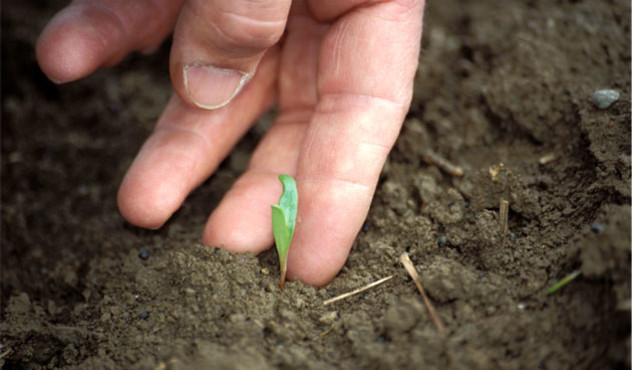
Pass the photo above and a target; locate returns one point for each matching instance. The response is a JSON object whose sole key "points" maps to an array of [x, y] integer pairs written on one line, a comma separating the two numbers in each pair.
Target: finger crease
{"points": [[121, 25], [255, 21], [204, 139], [366, 97], [352, 183]]}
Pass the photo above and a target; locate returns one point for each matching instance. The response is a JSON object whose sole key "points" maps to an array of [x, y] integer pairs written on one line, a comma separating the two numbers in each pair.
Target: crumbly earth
{"points": [[501, 85]]}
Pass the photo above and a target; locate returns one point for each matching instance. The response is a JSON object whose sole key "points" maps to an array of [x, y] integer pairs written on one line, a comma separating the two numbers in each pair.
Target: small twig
{"points": [[356, 291], [546, 159], [435, 159], [82, 331], [567, 279], [503, 218], [2, 355], [327, 331], [408, 265]]}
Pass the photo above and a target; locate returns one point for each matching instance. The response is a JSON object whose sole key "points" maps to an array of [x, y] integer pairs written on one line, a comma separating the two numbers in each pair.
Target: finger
{"points": [[186, 147], [366, 67], [218, 44], [88, 34], [242, 222]]}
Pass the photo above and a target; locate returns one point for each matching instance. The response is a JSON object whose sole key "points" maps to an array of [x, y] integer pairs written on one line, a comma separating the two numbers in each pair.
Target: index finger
{"points": [[367, 65]]}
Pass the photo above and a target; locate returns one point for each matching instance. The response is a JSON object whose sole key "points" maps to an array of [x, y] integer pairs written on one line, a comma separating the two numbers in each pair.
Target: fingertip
{"points": [[232, 236], [145, 206], [209, 66], [240, 223], [314, 273], [316, 262], [330, 215], [68, 51]]}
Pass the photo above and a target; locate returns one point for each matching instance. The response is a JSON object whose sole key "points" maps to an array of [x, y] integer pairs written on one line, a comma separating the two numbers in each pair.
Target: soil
{"points": [[501, 85]]}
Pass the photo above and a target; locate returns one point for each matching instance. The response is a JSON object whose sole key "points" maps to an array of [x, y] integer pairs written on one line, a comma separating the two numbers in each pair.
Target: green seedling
{"points": [[283, 222], [567, 279]]}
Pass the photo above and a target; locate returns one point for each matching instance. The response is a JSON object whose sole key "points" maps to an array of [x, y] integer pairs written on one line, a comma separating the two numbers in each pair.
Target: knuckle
{"points": [[250, 32]]}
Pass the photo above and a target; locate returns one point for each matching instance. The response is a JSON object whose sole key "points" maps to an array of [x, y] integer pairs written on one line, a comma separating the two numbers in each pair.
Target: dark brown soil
{"points": [[500, 82]]}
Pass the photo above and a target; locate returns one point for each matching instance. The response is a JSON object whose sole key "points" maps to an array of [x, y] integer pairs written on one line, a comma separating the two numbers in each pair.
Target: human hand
{"points": [[342, 76]]}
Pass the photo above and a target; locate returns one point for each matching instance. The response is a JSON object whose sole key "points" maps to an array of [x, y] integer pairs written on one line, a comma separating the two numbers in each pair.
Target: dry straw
{"points": [[408, 265]]}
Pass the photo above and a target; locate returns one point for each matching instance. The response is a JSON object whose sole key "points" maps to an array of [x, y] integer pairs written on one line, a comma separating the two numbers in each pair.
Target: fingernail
{"points": [[211, 87]]}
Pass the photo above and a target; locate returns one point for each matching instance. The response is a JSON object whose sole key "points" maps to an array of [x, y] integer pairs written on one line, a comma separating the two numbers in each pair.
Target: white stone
{"points": [[603, 99]]}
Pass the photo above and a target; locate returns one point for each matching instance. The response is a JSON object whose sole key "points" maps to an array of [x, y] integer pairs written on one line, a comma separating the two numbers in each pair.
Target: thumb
{"points": [[218, 44]]}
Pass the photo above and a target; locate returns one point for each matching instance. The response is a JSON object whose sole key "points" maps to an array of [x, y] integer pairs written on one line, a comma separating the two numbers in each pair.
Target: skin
{"points": [[340, 72]]}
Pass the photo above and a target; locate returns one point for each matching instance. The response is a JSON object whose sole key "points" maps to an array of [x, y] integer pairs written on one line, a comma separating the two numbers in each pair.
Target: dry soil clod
{"points": [[410, 268], [435, 159], [356, 291]]}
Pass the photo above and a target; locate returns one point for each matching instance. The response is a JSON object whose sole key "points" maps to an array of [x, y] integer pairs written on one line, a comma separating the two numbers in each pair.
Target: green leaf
{"points": [[281, 233], [284, 221], [567, 279], [289, 202]]}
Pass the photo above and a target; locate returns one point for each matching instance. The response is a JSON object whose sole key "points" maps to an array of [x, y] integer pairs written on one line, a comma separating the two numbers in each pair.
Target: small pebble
{"points": [[521, 306], [143, 254], [603, 99], [144, 315], [265, 272], [328, 318], [596, 228], [237, 318], [442, 240], [366, 226], [512, 236]]}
